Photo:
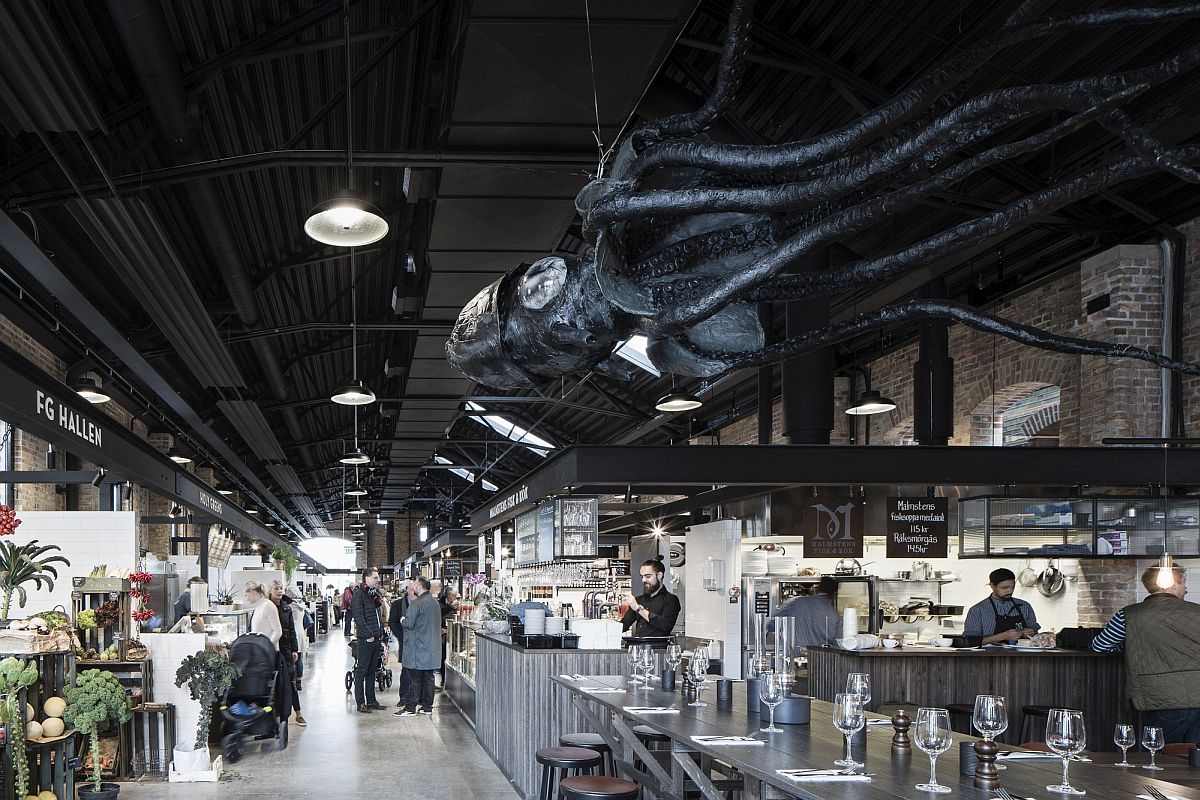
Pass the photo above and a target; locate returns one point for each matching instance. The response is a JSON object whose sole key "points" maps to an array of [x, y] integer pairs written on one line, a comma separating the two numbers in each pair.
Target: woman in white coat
{"points": [[266, 619]]}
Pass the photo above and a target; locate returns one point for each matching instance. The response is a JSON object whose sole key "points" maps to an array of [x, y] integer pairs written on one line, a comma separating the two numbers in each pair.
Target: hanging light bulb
{"points": [[1165, 578]]}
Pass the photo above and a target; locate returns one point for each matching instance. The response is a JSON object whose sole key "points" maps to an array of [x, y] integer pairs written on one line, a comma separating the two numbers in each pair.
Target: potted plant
{"points": [[208, 675], [224, 596], [16, 675], [285, 559], [26, 563], [96, 699]]}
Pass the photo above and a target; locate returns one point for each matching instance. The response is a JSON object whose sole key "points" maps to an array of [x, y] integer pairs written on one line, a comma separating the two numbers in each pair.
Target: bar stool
{"points": [[651, 740], [598, 787], [591, 741], [563, 759], [1029, 711]]}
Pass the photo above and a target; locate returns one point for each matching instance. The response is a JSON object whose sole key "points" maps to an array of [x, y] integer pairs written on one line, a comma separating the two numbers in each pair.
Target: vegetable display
{"points": [[96, 699], [16, 675], [208, 675], [26, 563], [86, 619]]}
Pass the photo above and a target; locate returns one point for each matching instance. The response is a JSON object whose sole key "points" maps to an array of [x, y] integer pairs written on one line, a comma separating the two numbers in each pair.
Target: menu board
{"points": [[917, 526], [452, 568], [526, 534], [577, 520]]}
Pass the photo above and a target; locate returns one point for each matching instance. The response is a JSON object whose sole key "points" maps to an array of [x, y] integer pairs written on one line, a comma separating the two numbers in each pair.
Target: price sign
{"points": [[917, 526]]}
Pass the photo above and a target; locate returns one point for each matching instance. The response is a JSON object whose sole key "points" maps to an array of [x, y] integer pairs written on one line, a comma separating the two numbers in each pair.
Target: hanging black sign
{"points": [[917, 526], [452, 568], [833, 527]]}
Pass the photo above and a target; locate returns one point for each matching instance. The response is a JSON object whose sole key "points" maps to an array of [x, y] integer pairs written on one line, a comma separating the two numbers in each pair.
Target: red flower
{"points": [[140, 577]]}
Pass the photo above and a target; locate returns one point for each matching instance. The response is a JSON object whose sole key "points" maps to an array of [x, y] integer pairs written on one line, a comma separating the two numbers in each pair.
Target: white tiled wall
{"points": [[87, 539], [710, 615], [167, 652]]}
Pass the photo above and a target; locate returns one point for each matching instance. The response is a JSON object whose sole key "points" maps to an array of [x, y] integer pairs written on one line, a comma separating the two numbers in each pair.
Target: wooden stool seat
{"points": [[598, 787], [1033, 710], [558, 761], [591, 741], [646, 734]]}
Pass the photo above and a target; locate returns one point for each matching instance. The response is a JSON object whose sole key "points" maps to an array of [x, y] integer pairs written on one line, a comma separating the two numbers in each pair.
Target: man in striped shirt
{"points": [[1160, 637]]}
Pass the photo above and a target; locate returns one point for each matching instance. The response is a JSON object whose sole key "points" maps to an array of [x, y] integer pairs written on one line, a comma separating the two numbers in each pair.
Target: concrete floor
{"points": [[344, 755]]}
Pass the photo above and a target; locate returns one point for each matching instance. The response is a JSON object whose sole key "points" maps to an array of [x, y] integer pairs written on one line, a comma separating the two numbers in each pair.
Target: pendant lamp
{"points": [[678, 401], [871, 402], [346, 219], [89, 390]]}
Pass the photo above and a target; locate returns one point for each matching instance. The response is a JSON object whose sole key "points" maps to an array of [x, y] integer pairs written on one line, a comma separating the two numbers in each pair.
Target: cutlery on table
{"points": [[1155, 793]]}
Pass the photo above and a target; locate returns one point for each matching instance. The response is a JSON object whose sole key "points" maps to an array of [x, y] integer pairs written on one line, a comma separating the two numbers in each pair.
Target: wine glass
{"points": [[859, 683], [698, 672], [849, 717], [646, 661], [1152, 740], [931, 732], [990, 717], [674, 656], [770, 691], [1124, 737], [635, 660], [1066, 736]]}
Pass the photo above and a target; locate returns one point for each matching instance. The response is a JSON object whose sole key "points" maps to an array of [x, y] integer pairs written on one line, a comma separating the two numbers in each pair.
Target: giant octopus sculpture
{"points": [[686, 235]]}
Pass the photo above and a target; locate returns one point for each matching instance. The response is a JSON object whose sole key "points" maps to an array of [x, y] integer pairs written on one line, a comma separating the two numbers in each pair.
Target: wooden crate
{"points": [[100, 638], [51, 768], [153, 731]]}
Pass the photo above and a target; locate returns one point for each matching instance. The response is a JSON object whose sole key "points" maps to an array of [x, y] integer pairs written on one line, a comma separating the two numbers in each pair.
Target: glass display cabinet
{"points": [[225, 626], [460, 648]]}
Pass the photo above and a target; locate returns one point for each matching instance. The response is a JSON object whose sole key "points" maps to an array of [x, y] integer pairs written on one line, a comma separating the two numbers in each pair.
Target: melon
{"points": [[47, 796], [54, 706], [53, 726], [29, 712], [33, 730]]}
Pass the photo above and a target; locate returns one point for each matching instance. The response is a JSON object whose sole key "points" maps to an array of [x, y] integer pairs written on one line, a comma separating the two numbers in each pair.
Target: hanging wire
{"points": [[349, 105], [604, 153]]}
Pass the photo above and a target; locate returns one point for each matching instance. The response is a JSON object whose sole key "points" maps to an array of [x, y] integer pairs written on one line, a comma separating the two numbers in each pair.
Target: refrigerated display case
{"points": [[460, 666], [225, 626]]}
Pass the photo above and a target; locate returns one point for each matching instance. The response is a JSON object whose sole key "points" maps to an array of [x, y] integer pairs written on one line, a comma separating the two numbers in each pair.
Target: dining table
{"points": [[716, 767]]}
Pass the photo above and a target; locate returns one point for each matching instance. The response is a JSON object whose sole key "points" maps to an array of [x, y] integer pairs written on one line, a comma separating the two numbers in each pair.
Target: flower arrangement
{"points": [[475, 579], [141, 610], [8, 521]]}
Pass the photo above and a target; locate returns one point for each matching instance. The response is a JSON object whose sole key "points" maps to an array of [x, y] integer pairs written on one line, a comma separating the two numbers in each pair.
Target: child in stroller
{"points": [[251, 707], [383, 676]]}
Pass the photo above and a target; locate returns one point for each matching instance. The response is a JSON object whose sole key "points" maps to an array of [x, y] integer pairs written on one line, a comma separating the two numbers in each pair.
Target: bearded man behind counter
{"points": [[654, 612]]}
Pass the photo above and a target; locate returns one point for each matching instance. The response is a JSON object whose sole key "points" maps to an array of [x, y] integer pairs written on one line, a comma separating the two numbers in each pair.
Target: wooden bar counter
{"points": [[1092, 682], [519, 709]]}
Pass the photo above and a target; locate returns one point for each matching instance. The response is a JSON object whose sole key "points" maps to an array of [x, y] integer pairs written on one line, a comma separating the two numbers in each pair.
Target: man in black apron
{"points": [[1001, 618]]}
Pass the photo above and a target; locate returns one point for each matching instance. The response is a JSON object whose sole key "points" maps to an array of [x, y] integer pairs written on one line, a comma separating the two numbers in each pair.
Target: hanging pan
{"points": [[1051, 582], [1027, 577]]}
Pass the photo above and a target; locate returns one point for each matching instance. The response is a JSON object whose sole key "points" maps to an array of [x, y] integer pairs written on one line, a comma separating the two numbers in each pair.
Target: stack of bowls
{"points": [[781, 566], [754, 563], [535, 621], [555, 625]]}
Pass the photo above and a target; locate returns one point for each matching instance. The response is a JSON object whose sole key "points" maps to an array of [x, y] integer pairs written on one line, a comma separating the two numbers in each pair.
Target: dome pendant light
{"points": [[354, 394], [871, 402], [357, 393], [346, 220], [90, 390], [678, 401]]}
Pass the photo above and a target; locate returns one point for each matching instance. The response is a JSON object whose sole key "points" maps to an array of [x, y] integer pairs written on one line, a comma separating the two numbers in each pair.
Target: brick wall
{"points": [[1105, 586]]}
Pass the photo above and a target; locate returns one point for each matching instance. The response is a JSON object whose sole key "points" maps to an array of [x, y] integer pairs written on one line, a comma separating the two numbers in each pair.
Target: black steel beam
{"points": [[726, 494], [56, 476], [429, 326]]}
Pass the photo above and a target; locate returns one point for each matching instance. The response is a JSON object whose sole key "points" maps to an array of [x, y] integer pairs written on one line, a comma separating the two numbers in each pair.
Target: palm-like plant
{"points": [[26, 563]]}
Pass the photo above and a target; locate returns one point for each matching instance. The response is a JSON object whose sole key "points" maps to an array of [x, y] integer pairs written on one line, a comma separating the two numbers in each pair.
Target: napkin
{"points": [[572, 677], [874, 722], [732, 741], [1033, 755], [651, 710], [824, 777], [601, 690]]}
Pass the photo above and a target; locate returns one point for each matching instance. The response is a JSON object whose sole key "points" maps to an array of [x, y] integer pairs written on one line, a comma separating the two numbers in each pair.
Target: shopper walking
{"points": [[289, 653], [395, 614], [368, 623], [422, 625], [266, 618], [347, 617]]}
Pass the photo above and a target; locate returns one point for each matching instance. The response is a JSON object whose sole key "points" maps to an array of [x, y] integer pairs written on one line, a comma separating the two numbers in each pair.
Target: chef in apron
{"points": [[1001, 618]]}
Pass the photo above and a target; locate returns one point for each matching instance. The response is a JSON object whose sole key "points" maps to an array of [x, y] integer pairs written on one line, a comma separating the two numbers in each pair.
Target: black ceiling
{"points": [[178, 211]]}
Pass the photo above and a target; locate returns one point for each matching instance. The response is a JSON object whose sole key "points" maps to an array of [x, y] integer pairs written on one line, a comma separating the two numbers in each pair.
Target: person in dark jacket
{"points": [[289, 653], [396, 613], [364, 608], [347, 617], [422, 643]]}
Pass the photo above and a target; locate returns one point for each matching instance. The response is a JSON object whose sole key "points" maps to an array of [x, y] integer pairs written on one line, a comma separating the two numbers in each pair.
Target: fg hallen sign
{"points": [[833, 527], [70, 421], [917, 526]]}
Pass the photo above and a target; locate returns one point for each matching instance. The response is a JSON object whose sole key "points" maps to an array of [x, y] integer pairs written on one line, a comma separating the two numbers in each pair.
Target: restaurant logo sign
{"points": [[833, 528], [917, 526], [519, 496], [69, 420]]}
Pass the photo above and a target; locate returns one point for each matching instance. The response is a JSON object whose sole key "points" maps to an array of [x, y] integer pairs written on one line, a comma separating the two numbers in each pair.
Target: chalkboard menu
{"points": [[917, 526], [452, 568], [526, 533], [577, 520]]}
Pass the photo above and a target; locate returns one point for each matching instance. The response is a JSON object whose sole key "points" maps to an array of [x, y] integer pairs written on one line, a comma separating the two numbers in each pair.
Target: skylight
{"points": [[511, 430], [466, 474], [633, 350]]}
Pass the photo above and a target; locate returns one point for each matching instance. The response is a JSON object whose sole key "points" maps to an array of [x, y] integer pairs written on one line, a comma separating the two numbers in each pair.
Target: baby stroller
{"points": [[249, 707], [383, 677]]}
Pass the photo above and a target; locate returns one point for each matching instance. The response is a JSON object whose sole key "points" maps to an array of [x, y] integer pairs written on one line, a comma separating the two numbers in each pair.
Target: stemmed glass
{"points": [[674, 656], [990, 717], [698, 672], [1124, 737], [1066, 736], [770, 691], [635, 661], [931, 732], [646, 661], [1152, 740], [859, 683], [849, 717]]}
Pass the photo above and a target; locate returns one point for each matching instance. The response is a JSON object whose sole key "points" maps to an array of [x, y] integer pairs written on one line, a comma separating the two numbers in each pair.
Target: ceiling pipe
{"points": [[147, 44]]}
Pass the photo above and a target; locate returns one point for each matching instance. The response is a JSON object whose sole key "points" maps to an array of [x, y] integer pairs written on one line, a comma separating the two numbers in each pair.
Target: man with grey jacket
{"points": [[422, 625]]}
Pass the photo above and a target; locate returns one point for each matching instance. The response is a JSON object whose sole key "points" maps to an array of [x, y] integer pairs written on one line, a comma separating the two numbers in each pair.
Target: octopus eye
{"points": [[543, 282]]}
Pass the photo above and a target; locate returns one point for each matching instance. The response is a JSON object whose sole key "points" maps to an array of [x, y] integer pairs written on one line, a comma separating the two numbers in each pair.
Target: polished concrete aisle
{"points": [[344, 755]]}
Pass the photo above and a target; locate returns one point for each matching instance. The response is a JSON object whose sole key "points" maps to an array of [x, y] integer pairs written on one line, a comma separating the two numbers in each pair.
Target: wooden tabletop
{"points": [[818, 744], [963, 652]]}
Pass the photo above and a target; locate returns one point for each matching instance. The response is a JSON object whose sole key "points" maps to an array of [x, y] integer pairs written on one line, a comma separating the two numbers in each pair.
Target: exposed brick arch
{"points": [[902, 433], [988, 414]]}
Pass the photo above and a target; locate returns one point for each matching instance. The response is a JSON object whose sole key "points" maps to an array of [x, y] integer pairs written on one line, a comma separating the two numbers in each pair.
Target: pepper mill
{"points": [[986, 774], [901, 722]]}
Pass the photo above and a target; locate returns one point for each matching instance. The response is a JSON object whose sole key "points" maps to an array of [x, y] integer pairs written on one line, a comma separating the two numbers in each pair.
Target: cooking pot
{"points": [[1051, 581], [848, 566]]}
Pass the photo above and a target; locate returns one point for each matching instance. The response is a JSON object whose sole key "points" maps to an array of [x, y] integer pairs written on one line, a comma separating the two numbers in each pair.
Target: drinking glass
{"points": [[646, 661], [990, 717], [1124, 737], [859, 683], [849, 717], [674, 656], [1066, 736], [698, 672], [631, 655], [770, 691], [1152, 740], [931, 732]]}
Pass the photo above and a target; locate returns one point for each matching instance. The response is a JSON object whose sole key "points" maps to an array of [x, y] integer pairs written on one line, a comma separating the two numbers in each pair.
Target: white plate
{"points": [[1032, 649]]}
